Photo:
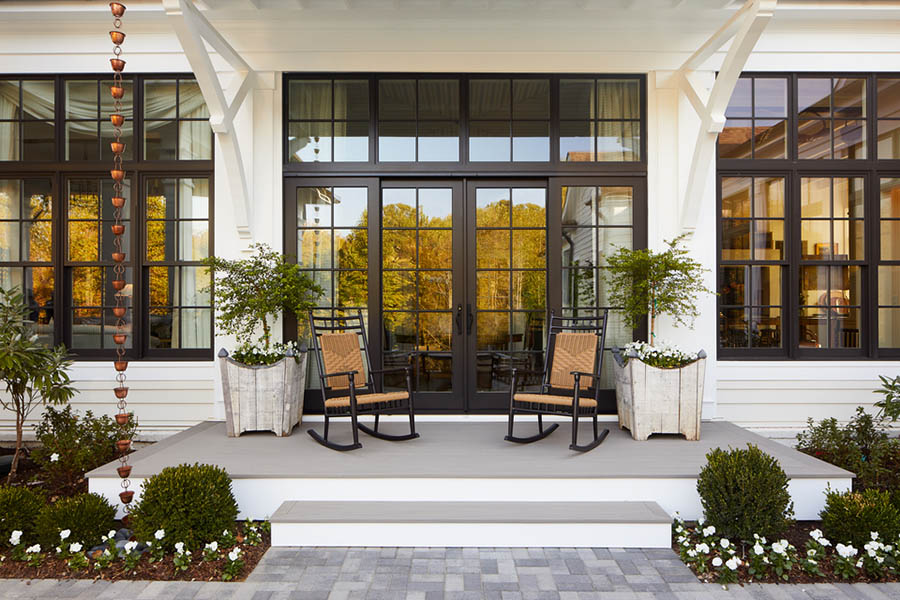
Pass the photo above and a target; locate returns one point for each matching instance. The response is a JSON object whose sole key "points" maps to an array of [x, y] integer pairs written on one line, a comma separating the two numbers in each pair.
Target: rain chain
{"points": [[117, 90]]}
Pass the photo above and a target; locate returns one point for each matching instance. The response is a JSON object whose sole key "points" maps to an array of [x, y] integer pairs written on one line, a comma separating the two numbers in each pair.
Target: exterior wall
{"points": [[767, 395]]}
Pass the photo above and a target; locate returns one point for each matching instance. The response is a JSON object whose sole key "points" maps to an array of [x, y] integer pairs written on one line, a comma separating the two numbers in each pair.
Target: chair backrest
{"points": [[340, 345], [574, 344]]}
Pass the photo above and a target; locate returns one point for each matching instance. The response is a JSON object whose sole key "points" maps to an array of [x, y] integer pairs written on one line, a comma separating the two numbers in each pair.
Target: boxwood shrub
{"points": [[745, 491], [86, 516], [852, 516], [194, 504], [19, 510]]}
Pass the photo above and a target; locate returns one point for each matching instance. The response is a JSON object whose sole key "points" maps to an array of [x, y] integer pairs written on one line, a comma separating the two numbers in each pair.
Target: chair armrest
{"points": [[582, 374], [340, 373]]}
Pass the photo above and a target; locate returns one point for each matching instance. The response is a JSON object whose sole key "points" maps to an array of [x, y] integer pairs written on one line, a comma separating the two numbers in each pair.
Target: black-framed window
{"points": [[55, 188], [805, 262], [474, 121]]}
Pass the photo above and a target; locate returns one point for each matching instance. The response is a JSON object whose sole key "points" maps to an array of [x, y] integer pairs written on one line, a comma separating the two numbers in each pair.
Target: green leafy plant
{"points": [[850, 517], [86, 516], [234, 564], [889, 405], [71, 445], [251, 290], [19, 510], [644, 282], [33, 373], [191, 503], [745, 492]]}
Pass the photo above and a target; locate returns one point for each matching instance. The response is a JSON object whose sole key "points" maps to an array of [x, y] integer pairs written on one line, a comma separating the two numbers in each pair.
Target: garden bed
{"points": [[797, 537], [163, 569]]}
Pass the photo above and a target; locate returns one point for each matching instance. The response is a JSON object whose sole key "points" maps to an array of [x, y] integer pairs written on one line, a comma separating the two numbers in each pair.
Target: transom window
{"points": [[464, 119]]}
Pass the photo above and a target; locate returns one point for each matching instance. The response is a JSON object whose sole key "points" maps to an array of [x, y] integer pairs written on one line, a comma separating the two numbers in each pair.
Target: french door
{"points": [[457, 276]]}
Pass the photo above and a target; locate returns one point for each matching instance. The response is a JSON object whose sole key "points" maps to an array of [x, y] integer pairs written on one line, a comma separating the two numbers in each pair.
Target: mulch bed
{"points": [[164, 570], [797, 535]]}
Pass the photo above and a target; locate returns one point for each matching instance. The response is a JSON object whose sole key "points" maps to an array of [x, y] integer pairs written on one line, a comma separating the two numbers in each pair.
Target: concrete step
{"points": [[471, 524]]}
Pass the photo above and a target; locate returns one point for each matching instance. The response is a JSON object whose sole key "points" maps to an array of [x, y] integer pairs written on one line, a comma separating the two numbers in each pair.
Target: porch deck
{"points": [[468, 461]]}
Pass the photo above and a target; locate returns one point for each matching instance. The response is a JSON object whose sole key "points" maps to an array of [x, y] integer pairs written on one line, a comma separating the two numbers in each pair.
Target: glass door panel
{"points": [[420, 260], [507, 275]]}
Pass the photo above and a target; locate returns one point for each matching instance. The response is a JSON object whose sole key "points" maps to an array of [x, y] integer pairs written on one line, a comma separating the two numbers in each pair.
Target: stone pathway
{"points": [[453, 574]]}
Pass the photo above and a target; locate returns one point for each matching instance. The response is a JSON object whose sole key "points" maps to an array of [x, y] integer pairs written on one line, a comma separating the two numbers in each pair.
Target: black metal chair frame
{"points": [[558, 324], [354, 323]]}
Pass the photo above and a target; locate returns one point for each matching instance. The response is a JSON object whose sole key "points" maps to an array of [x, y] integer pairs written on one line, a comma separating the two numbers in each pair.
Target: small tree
{"points": [[34, 374], [249, 290], [644, 282]]}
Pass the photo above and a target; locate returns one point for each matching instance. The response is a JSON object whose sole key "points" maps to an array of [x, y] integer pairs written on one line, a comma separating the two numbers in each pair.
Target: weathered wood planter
{"points": [[652, 400], [263, 398]]}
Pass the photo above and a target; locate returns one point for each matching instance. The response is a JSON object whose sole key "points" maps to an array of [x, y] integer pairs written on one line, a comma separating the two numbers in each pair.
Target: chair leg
{"points": [[599, 436], [339, 447], [595, 425], [540, 423], [527, 440], [376, 422]]}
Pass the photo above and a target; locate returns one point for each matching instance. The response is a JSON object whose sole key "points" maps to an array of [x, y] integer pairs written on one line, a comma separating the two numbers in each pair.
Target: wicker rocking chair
{"points": [[348, 386], [570, 380]]}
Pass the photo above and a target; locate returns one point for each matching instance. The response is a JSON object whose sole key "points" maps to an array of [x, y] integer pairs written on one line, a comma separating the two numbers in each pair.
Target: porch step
{"points": [[471, 524]]}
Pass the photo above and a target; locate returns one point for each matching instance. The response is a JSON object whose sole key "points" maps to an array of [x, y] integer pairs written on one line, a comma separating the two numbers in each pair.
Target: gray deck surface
{"points": [[458, 449], [470, 512]]}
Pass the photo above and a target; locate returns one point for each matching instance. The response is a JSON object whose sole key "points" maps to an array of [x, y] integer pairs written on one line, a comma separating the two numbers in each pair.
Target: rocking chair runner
{"points": [[570, 380], [348, 388]]}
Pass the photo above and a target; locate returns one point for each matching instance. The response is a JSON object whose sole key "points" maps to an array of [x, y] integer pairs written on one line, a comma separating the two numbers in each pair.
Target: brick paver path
{"points": [[453, 574]]}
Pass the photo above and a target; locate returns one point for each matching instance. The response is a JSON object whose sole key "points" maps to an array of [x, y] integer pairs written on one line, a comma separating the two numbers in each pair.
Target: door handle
{"points": [[459, 319], [471, 319]]}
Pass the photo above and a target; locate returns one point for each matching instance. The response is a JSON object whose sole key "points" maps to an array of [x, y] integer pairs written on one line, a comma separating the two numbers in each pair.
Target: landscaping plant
{"points": [[251, 290], [34, 374], [850, 517], [647, 283], [745, 492], [889, 405], [19, 510], [192, 504], [71, 445], [85, 516]]}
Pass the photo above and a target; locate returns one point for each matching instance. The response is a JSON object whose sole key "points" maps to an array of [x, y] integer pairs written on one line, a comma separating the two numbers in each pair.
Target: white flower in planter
{"points": [[234, 554], [179, 547], [54, 457], [811, 552], [160, 534], [33, 549], [845, 551], [717, 562], [780, 547], [692, 553], [130, 546], [874, 535], [213, 546], [733, 563], [15, 538], [859, 564], [816, 534], [75, 547], [708, 531], [702, 548], [758, 549], [724, 543], [64, 534]]}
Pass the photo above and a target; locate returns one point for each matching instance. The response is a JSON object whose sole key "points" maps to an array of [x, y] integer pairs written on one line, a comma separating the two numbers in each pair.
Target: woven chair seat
{"points": [[556, 400], [344, 401]]}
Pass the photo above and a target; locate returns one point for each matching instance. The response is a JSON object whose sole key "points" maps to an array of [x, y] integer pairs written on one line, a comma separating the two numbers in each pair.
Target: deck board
{"points": [[458, 449]]}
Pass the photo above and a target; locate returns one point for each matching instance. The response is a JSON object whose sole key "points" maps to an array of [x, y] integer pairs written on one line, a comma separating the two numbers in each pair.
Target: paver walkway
{"points": [[453, 574]]}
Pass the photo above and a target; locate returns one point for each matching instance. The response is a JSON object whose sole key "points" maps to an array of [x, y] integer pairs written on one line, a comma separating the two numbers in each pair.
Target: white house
{"points": [[530, 136]]}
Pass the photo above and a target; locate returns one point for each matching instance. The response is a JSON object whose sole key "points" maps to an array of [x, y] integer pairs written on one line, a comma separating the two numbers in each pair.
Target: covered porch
{"points": [[461, 484]]}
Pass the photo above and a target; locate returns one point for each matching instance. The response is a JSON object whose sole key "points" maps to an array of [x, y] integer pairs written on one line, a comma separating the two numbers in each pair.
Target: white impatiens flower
{"points": [[213, 546], [717, 562], [845, 551], [733, 563], [724, 543], [234, 554], [816, 534], [160, 534], [811, 552], [692, 553], [780, 547], [54, 457], [75, 547], [179, 547], [112, 534], [15, 538], [130, 546], [758, 549], [708, 531], [874, 535], [33, 549], [64, 534], [702, 548]]}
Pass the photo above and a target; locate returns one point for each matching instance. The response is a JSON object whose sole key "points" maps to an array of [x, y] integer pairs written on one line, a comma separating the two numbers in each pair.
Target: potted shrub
{"points": [[263, 382], [659, 388]]}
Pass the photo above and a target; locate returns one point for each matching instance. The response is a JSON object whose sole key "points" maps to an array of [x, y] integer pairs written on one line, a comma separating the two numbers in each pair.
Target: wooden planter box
{"points": [[263, 398], [652, 400]]}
